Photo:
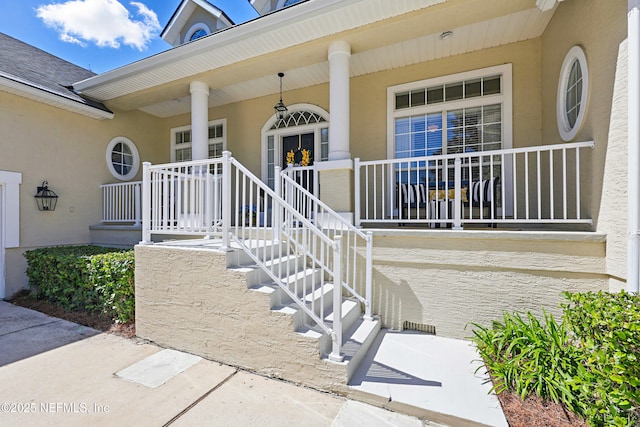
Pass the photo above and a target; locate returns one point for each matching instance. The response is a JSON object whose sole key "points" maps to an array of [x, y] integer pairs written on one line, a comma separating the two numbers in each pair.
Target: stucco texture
{"points": [[448, 280], [69, 151], [187, 299], [600, 28]]}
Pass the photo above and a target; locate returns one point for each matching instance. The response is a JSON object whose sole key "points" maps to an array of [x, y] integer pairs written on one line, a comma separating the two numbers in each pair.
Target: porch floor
{"points": [[427, 376]]}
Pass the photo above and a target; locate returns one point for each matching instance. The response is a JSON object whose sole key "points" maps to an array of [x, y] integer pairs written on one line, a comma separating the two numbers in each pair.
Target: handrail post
{"points": [[137, 213], [207, 199], [336, 335], [226, 199], [368, 305], [275, 207], [356, 192], [457, 199], [146, 204]]}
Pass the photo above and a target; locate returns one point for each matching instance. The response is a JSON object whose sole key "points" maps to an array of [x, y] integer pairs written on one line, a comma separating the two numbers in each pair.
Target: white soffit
{"points": [[288, 27], [520, 26]]}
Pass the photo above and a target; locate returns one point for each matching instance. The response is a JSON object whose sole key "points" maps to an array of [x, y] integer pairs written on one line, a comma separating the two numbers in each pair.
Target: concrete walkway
{"points": [[57, 373], [430, 377]]}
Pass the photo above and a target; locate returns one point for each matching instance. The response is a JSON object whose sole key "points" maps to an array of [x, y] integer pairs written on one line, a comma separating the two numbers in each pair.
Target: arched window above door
{"points": [[298, 118], [309, 122]]}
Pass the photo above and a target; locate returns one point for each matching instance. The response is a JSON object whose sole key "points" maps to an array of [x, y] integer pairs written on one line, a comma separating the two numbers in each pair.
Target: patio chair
{"points": [[484, 194]]}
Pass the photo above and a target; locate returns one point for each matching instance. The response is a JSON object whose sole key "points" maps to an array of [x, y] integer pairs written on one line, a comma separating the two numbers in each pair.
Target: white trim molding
{"points": [[10, 218]]}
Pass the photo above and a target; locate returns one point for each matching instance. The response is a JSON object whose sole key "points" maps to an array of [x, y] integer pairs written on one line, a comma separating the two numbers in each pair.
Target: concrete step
{"points": [[263, 249], [306, 281], [283, 267]]}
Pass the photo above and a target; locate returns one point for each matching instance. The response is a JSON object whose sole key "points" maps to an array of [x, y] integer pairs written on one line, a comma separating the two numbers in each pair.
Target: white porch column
{"points": [[633, 122], [339, 57], [199, 120]]}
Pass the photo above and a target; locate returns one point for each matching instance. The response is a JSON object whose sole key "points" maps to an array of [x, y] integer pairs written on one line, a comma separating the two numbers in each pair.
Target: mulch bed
{"points": [[92, 319], [532, 412]]}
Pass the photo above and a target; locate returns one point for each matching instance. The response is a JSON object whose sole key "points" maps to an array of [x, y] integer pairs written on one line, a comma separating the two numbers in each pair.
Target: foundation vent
{"points": [[412, 326]]}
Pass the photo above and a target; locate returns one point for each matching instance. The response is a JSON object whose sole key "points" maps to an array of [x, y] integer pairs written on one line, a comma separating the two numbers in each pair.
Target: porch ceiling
{"points": [[378, 43]]}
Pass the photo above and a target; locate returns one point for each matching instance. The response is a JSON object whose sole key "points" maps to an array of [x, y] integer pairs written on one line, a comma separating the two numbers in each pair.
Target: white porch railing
{"points": [[306, 176], [534, 185], [220, 197], [121, 202], [357, 245]]}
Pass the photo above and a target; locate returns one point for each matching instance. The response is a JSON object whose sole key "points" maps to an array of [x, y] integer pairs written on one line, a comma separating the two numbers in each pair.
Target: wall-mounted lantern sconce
{"points": [[281, 109], [45, 198]]}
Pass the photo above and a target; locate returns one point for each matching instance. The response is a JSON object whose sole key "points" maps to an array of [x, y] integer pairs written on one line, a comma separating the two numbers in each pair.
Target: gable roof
{"points": [[35, 74], [267, 6], [182, 14]]}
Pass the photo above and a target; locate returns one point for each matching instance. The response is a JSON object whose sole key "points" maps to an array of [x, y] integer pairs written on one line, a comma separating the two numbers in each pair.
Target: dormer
{"points": [[267, 6], [194, 19]]}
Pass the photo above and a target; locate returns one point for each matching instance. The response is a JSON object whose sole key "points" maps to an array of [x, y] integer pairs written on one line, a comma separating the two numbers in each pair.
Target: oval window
{"points": [[572, 93], [123, 159]]}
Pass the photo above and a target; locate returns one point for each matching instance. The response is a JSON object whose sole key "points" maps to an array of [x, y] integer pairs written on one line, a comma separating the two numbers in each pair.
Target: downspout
{"points": [[633, 123]]}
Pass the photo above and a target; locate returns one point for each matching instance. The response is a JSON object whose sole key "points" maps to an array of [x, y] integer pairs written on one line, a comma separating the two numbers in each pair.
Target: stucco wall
{"points": [[69, 151], [450, 279], [187, 299], [600, 28]]}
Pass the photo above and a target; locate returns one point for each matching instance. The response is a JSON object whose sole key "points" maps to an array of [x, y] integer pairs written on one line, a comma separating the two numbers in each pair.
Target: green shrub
{"points": [[526, 356], [589, 362], [84, 277], [607, 329]]}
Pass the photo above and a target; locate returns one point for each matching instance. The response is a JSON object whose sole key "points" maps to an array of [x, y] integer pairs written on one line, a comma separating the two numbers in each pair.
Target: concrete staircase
{"points": [[358, 333]]}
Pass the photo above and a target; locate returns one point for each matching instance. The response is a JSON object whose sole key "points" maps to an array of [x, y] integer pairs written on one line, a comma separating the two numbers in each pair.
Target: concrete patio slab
{"points": [[428, 376], [158, 368], [25, 333], [76, 385]]}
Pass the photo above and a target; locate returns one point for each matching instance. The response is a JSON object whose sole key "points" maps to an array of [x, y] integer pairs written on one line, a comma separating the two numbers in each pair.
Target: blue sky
{"points": [[100, 34]]}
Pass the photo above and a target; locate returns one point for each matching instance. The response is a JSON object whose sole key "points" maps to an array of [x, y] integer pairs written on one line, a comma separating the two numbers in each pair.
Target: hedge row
{"points": [[92, 278]]}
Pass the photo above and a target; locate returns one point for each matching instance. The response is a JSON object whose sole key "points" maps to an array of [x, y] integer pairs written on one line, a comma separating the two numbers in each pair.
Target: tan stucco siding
{"points": [[369, 94], [448, 280], [68, 151], [600, 28]]}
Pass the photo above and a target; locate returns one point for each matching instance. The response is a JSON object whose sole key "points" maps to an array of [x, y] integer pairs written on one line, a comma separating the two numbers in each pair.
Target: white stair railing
{"points": [[220, 197], [357, 246]]}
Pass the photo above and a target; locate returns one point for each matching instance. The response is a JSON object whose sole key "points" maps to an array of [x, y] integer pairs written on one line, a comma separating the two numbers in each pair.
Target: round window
{"points": [[197, 34], [123, 159], [572, 93]]}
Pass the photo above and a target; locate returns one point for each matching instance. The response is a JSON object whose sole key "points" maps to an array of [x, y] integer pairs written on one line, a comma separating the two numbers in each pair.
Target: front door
{"points": [[295, 144]]}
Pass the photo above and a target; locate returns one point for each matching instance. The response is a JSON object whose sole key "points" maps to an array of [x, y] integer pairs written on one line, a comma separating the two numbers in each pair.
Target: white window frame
{"points": [[568, 132], [505, 98], [193, 29], [211, 123], [135, 166], [278, 134]]}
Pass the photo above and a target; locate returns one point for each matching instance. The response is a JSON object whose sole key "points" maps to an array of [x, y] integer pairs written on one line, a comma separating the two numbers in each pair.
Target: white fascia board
{"points": [[39, 94], [178, 19], [238, 33]]}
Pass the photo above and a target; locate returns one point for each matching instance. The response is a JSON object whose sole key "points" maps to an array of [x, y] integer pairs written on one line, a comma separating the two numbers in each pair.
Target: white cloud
{"points": [[107, 23]]}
